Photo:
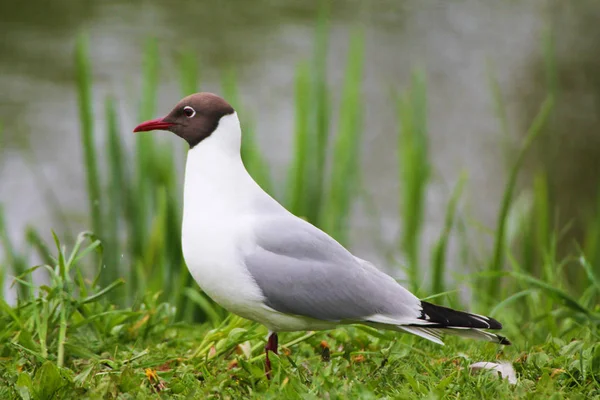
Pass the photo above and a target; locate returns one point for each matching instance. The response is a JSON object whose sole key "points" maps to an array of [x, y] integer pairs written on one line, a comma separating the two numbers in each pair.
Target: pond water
{"points": [[455, 42]]}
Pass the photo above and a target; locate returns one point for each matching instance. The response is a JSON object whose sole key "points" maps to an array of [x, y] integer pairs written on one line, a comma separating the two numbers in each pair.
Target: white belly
{"points": [[212, 258]]}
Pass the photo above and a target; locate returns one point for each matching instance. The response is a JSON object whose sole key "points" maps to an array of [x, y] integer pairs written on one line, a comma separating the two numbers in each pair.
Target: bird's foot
{"points": [[270, 346]]}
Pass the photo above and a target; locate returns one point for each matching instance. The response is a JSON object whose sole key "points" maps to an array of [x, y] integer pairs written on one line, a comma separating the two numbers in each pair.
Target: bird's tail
{"points": [[437, 320]]}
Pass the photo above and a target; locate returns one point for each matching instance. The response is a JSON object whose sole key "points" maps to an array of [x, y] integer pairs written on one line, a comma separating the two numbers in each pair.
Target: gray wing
{"points": [[303, 271]]}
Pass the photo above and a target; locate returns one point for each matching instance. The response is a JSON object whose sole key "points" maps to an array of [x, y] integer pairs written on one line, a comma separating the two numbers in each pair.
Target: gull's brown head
{"points": [[194, 118]]}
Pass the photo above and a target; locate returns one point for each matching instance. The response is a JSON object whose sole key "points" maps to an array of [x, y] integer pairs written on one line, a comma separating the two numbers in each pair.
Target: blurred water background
{"points": [[459, 45]]}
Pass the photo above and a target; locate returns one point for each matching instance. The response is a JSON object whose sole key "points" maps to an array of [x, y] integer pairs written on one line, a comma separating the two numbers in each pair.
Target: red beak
{"points": [[152, 125]]}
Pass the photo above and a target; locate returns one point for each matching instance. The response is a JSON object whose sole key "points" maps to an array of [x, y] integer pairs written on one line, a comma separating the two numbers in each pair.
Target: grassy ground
{"points": [[68, 341], [121, 318]]}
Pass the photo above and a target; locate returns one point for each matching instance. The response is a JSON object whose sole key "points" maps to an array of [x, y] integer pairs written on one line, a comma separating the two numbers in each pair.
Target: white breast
{"points": [[217, 195], [216, 268]]}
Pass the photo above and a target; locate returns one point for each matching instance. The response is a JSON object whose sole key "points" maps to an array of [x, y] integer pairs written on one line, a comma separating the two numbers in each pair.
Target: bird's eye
{"points": [[189, 111]]}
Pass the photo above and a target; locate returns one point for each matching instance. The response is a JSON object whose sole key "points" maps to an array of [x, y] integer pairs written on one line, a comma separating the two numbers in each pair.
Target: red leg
{"points": [[272, 346]]}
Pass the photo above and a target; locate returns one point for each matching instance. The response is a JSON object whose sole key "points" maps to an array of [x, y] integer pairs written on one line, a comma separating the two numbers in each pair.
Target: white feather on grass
{"points": [[503, 369]]}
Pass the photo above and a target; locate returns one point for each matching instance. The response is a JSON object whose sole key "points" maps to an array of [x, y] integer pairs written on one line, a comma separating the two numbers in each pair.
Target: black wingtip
{"points": [[494, 324], [445, 317], [503, 340]]}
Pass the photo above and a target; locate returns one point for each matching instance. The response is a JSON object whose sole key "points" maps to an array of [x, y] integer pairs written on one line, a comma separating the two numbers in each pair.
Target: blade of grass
{"points": [[440, 249], [299, 174], [589, 270], [205, 304], [319, 124], [35, 240], [511, 299], [534, 131], [189, 73], [145, 156], [414, 171], [103, 292], [346, 158], [14, 260], [592, 237], [115, 196], [542, 216], [86, 113], [558, 294]]}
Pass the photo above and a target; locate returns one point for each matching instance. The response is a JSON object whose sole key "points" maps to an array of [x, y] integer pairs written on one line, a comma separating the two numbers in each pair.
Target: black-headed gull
{"points": [[259, 261]]}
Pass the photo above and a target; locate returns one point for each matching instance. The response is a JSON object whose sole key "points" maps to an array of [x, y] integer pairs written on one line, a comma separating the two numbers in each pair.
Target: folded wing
{"points": [[302, 270]]}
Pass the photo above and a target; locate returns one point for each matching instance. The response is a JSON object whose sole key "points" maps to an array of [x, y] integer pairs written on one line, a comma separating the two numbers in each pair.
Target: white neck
{"points": [[220, 204], [227, 138], [216, 181]]}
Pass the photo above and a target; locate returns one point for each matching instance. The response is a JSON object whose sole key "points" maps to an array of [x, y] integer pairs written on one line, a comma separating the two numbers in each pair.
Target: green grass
{"points": [[69, 341], [414, 173], [121, 317]]}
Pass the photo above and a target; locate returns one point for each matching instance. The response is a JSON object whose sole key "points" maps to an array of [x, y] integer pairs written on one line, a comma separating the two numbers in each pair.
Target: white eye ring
{"points": [[189, 111]]}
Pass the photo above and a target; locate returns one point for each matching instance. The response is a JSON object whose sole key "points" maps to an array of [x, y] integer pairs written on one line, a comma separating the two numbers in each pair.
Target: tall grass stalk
{"points": [[414, 171], [307, 174], [13, 258], [300, 173], [86, 117], [320, 115], [344, 177], [141, 208], [441, 247], [543, 220], [592, 237], [145, 151], [534, 131], [189, 71], [115, 195]]}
